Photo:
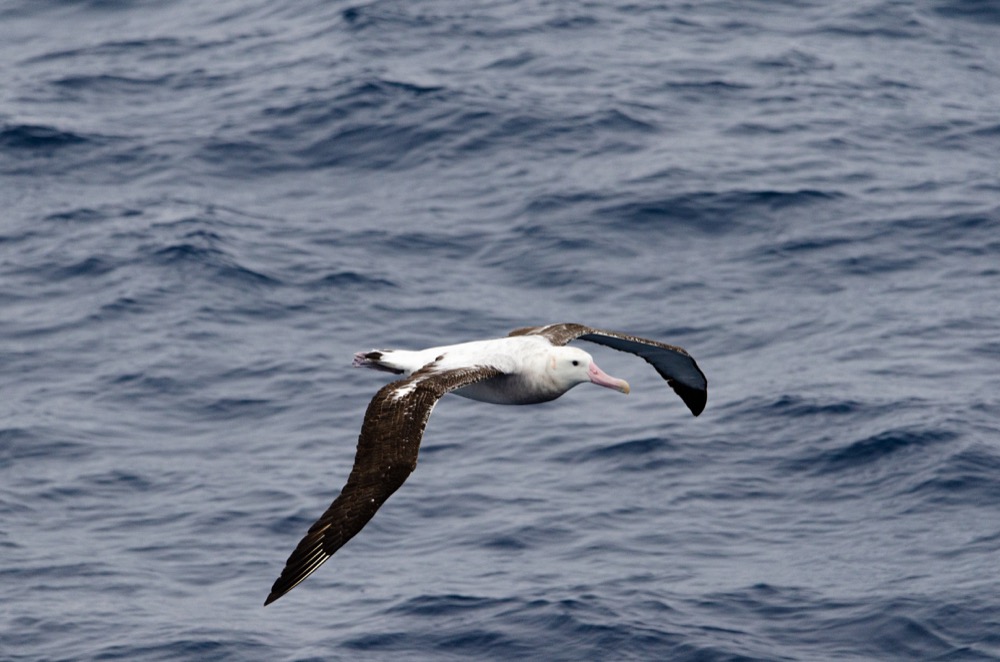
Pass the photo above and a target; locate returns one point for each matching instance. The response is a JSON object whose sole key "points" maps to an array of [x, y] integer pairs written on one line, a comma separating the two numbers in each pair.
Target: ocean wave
{"points": [[38, 138]]}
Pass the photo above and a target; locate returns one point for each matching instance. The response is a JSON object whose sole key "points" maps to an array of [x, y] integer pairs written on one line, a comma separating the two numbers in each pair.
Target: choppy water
{"points": [[208, 207]]}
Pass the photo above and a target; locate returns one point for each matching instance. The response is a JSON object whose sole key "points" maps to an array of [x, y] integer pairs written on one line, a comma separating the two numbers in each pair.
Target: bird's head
{"points": [[569, 366]]}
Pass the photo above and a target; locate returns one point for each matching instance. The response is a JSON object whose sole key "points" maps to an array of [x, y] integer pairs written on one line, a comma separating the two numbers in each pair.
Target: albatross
{"points": [[529, 366]]}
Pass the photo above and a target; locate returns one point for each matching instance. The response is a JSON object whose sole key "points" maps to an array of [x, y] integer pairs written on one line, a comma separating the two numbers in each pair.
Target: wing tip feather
{"points": [[694, 398]]}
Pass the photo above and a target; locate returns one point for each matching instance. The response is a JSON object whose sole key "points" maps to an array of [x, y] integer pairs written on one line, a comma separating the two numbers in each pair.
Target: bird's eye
{"points": [[576, 363]]}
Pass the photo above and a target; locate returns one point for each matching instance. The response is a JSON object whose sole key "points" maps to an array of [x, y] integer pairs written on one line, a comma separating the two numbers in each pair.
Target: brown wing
{"points": [[386, 455], [673, 363]]}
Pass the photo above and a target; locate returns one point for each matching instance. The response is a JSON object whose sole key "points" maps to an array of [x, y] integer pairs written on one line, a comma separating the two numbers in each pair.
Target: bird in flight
{"points": [[529, 366]]}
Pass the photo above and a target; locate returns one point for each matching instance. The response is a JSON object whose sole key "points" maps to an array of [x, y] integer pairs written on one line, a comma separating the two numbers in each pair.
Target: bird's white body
{"points": [[533, 369]]}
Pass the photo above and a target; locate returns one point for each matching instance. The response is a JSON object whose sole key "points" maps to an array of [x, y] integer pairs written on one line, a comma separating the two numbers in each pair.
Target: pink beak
{"points": [[601, 378]]}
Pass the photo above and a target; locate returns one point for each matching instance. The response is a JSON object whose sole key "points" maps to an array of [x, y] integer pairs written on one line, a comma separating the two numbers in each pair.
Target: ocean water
{"points": [[207, 208]]}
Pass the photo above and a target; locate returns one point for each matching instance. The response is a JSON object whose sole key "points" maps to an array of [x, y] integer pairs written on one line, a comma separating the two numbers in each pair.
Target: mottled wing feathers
{"points": [[672, 363], [558, 334], [387, 454]]}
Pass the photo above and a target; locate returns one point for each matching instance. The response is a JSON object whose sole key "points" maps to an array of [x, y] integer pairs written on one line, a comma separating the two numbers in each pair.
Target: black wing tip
{"points": [[282, 586], [277, 591], [694, 398]]}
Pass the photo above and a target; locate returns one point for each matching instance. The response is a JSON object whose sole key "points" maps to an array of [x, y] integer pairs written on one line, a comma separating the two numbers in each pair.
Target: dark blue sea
{"points": [[207, 207]]}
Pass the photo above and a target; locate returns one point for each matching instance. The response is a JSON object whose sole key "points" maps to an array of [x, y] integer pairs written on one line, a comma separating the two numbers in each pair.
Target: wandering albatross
{"points": [[529, 366]]}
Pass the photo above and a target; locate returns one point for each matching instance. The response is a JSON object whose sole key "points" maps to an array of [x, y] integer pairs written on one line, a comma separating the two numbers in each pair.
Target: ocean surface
{"points": [[207, 207]]}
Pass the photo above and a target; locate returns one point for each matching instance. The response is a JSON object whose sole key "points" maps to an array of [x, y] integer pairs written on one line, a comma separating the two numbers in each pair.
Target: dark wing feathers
{"points": [[673, 363], [387, 454]]}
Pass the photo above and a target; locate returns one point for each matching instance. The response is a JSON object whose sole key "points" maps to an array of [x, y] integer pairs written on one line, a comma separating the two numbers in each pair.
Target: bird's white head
{"points": [[569, 366]]}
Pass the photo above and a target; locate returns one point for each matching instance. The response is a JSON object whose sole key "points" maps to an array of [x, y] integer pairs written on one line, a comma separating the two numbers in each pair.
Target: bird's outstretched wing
{"points": [[387, 454], [673, 363]]}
